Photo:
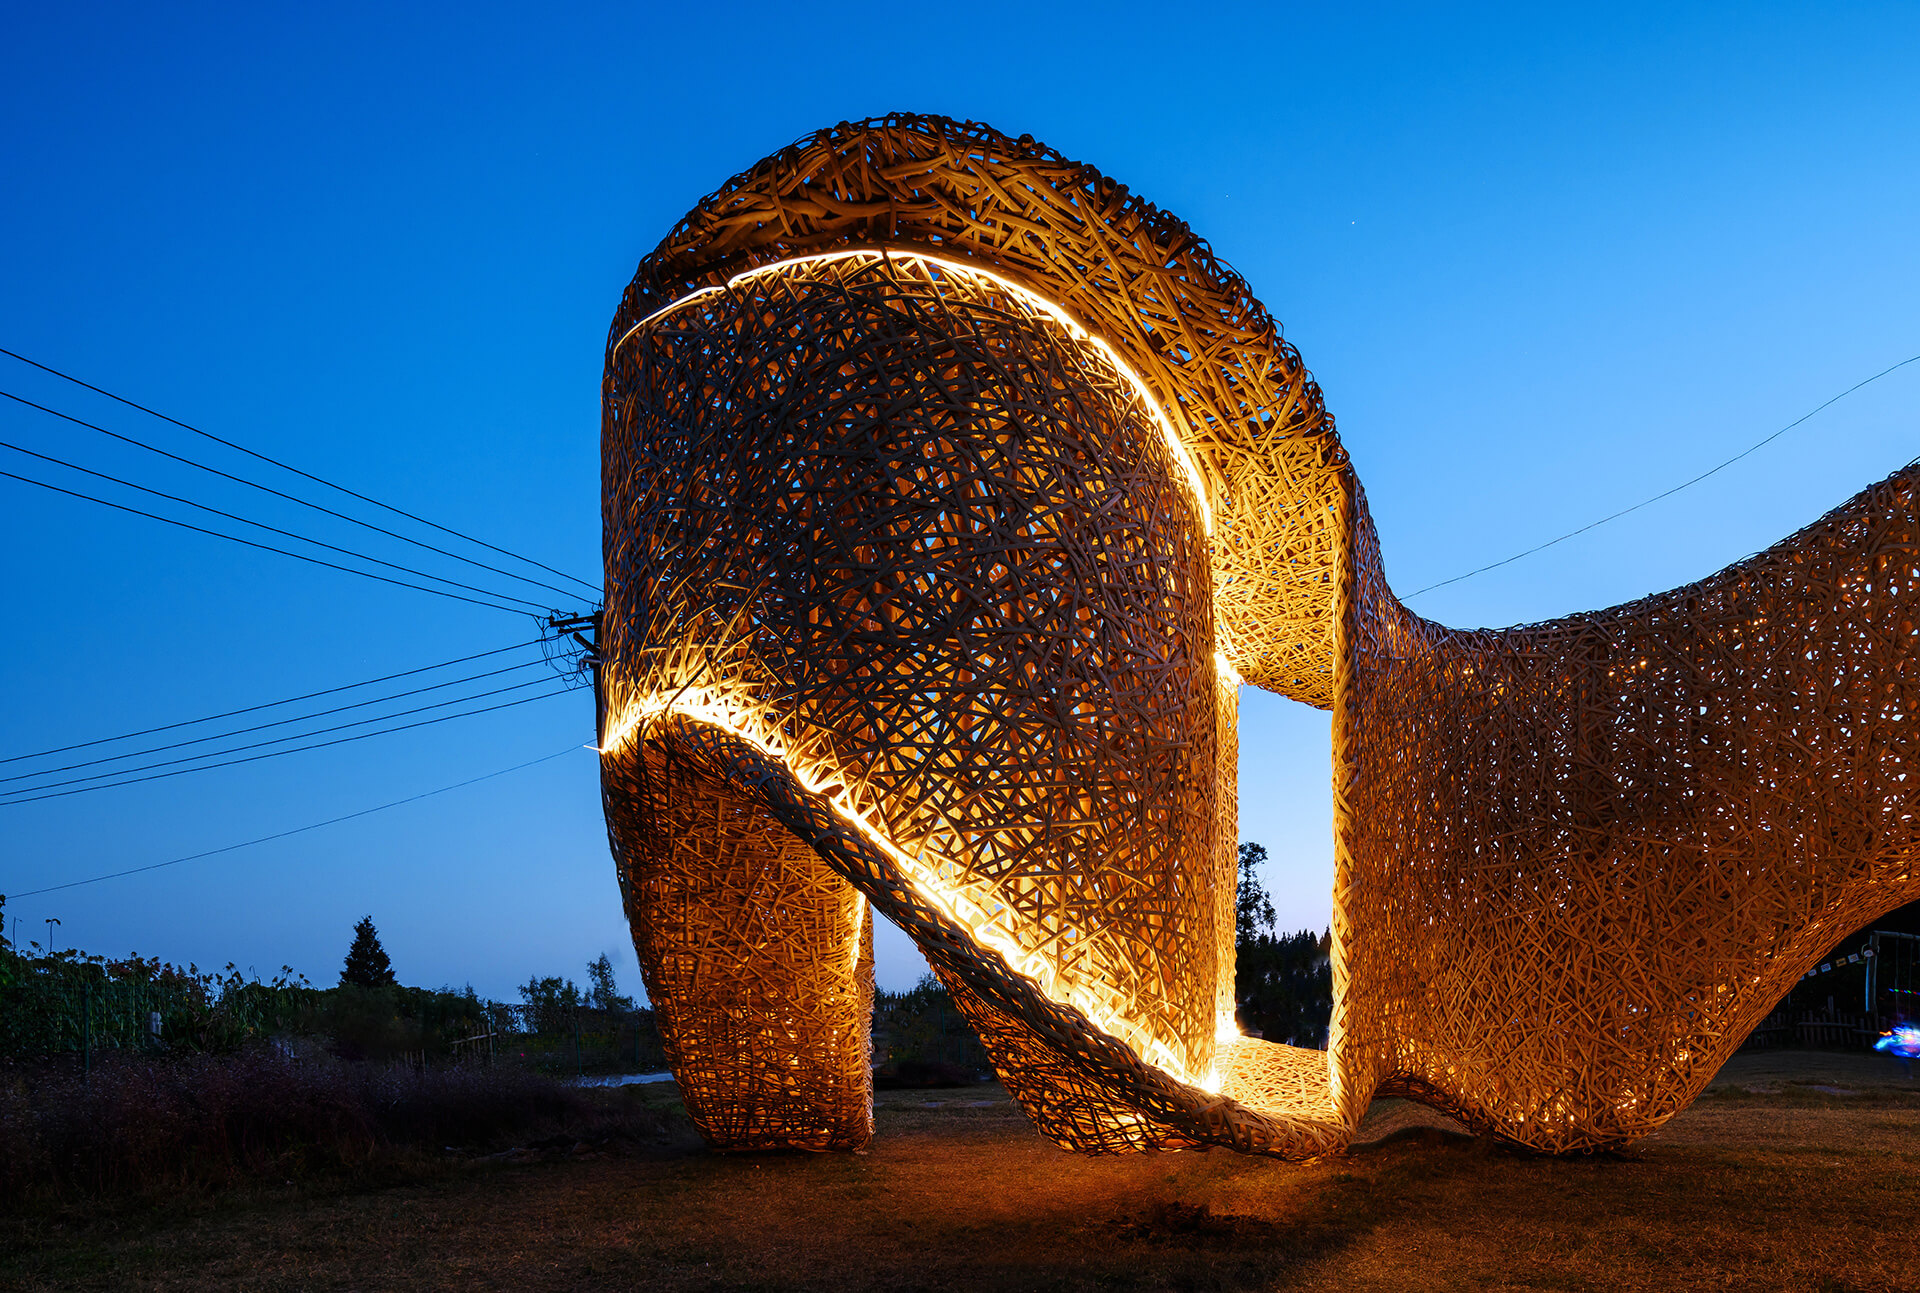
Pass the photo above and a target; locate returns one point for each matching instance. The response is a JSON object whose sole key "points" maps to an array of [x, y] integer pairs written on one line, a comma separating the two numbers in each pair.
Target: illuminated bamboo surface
{"points": [[951, 492], [1584, 859]]}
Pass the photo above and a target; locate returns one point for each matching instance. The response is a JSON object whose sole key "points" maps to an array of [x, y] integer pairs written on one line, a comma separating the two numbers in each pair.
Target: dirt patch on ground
{"points": [[1769, 1182]]}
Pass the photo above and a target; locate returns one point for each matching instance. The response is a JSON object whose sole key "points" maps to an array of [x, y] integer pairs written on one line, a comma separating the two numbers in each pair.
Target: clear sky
{"points": [[1544, 260]]}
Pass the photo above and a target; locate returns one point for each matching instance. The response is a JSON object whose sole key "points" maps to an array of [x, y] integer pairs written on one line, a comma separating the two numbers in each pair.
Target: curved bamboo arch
{"points": [[1136, 276], [950, 493]]}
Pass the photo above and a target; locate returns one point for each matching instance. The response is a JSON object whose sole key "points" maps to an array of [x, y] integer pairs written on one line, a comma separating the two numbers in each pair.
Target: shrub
{"points": [[915, 1073], [922, 1025], [386, 1022], [52, 1004]]}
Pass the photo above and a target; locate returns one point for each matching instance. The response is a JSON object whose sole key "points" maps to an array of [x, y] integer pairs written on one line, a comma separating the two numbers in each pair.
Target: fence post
{"points": [[1873, 944], [86, 1028]]}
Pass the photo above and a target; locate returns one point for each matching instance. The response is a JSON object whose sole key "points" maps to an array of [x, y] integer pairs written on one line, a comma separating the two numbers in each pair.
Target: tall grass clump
{"points": [[60, 1002], [148, 1126]]}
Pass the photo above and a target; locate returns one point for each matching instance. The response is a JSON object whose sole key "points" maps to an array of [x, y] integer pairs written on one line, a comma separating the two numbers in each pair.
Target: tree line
{"points": [[67, 1002], [1282, 983], [54, 1003]]}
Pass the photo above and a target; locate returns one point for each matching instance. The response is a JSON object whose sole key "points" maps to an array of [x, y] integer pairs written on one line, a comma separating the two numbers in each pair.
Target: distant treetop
{"points": [[367, 964]]}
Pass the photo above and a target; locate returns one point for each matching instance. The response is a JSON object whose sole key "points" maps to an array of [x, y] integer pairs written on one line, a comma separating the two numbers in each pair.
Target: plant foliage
{"points": [[1283, 984]]}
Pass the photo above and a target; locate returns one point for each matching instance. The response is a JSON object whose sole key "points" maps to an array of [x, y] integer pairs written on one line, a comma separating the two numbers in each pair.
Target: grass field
{"points": [[1795, 1171]]}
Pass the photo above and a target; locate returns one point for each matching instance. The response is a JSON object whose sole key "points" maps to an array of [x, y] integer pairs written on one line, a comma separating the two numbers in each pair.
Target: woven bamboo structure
{"points": [[950, 494]]}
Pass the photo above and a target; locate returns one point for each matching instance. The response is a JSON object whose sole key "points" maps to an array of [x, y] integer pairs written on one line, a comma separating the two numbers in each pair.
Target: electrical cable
{"points": [[274, 704], [264, 547], [255, 745], [1666, 493], [279, 722], [298, 830], [274, 754], [68, 377], [291, 498], [261, 525]]}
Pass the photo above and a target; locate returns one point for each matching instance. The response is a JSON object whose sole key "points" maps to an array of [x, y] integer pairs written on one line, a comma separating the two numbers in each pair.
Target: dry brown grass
{"points": [[1769, 1182]]}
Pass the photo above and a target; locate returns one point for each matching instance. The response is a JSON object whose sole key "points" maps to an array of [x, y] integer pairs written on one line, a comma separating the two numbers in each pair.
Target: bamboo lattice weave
{"points": [[1131, 273], [951, 492], [1635, 828]]}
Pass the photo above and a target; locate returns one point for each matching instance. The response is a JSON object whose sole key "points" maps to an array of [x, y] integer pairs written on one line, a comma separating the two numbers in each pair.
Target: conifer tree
{"points": [[1253, 910], [367, 964]]}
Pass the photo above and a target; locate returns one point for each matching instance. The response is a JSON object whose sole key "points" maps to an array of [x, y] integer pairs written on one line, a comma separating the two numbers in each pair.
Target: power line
{"points": [[298, 830], [291, 498], [262, 525], [274, 704], [264, 547], [1669, 492], [256, 745], [68, 377], [279, 722], [274, 754]]}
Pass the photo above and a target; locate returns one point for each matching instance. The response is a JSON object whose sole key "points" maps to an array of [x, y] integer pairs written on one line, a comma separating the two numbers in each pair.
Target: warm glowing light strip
{"points": [[1228, 674], [965, 910], [1025, 295], [1226, 1026]]}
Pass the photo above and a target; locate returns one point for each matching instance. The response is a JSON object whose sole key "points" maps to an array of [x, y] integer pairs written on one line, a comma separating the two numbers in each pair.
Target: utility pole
{"points": [[51, 922]]}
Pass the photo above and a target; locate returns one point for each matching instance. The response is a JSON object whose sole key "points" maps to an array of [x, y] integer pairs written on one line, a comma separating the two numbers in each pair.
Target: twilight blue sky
{"points": [[1545, 261]]}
